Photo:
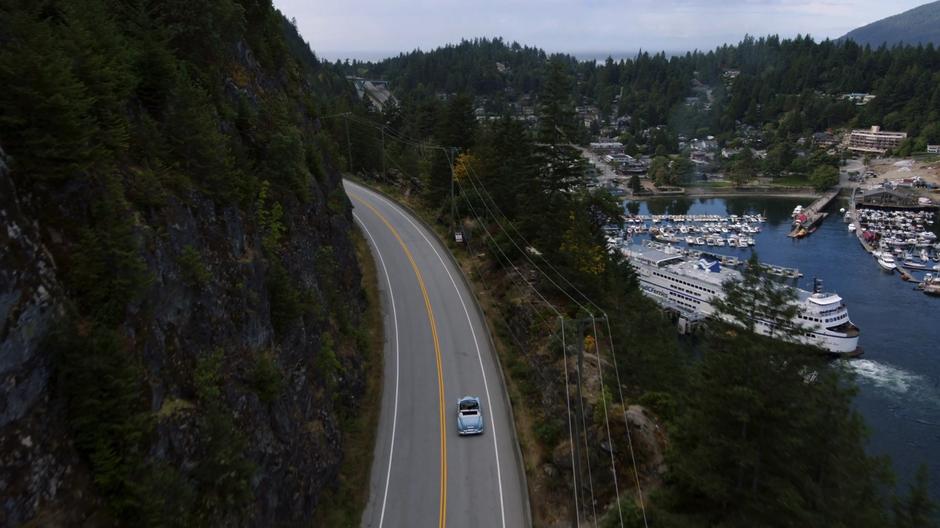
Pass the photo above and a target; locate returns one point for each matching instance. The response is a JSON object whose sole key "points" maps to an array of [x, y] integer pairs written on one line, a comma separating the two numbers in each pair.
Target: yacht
{"points": [[690, 285], [887, 263]]}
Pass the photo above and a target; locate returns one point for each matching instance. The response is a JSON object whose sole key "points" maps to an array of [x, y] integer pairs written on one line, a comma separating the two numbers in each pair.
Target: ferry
{"points": [[688, 285]]}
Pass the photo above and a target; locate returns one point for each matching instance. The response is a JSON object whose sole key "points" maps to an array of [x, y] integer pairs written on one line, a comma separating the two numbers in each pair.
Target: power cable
{"points": [[580, 402]]}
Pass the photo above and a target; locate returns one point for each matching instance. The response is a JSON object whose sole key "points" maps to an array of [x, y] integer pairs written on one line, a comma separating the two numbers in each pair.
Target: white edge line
{"points": [[391, 295], [476, 344]]}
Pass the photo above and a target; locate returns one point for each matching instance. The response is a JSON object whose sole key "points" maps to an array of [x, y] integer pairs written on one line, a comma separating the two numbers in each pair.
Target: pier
{"points": [[859, 233], [814, 214]]}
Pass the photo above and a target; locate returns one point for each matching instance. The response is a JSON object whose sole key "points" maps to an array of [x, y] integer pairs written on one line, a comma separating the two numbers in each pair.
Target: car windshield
{"points": [[469, 407]]}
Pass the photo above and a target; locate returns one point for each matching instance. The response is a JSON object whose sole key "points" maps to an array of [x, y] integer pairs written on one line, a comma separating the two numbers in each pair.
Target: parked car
{"points": [[469, 416]]}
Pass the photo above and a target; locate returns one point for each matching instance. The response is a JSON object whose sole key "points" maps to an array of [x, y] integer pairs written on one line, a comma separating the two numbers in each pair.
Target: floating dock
{"points": [[905, 275], [814, 215]]}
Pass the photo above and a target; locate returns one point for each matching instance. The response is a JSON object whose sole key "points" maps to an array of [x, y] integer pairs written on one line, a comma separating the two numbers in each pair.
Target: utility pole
{"points": [[384, 177], [348, 143], [576, 446], [453, 203], [582, 323]]}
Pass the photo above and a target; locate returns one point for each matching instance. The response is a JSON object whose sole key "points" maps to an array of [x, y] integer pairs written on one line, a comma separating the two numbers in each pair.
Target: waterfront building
{"points": [[933, 149], [875, 140]]}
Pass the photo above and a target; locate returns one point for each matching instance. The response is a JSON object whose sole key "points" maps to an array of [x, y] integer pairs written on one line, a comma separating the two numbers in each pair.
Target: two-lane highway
{"points": [[437, 350]]}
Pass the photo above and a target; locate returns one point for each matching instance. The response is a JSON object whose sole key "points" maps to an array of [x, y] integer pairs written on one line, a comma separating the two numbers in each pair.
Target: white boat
{"points": [[887, 263], [931, 285], [690, 286], [851, 228], [913, 264]]}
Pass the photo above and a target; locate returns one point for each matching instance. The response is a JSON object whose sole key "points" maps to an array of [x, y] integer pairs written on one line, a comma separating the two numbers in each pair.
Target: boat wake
{"points": [[893, 379]]}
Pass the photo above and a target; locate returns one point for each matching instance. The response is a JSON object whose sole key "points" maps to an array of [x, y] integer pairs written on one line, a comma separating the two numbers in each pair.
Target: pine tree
{"points": [[769, 436], [45, 110], [917, 509]]}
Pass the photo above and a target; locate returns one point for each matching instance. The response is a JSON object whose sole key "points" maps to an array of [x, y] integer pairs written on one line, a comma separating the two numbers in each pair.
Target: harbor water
{"points": [[899, 373]]}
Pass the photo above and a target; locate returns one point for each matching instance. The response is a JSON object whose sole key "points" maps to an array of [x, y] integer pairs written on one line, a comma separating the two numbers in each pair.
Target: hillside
{"points": [[920, 25], [180, 301]]}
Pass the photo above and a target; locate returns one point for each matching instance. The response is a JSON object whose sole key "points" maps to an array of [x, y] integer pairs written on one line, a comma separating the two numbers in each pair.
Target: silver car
{"points": [[469, 416]]}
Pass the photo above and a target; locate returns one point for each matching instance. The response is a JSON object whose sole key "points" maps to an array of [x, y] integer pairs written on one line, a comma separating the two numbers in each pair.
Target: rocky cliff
{"points": [[179, 296]]}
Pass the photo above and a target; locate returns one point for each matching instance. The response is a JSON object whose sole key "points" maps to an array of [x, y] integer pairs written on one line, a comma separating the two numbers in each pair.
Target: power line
{"points": [[609, 335], [610, 442], [472, 176], [626, 423], [580, 400]]}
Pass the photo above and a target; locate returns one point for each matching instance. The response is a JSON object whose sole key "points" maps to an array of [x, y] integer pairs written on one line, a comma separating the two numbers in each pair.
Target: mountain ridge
{"points": [[920, 25]]}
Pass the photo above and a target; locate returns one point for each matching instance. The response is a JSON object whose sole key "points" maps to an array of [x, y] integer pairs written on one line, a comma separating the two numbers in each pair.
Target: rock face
{"points": [[180, 300], [293, 441], [37, 465]]}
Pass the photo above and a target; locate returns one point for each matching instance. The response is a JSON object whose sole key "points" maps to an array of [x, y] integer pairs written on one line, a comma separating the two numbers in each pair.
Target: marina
{"points": [[900, 240], [735, 231], [898, 376]]}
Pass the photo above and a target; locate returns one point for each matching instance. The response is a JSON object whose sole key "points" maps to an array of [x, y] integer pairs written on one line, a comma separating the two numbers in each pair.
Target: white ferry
{"points": [[689, 286]]}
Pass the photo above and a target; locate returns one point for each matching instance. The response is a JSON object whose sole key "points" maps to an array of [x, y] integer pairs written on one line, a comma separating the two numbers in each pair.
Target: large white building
{"points": [[875, 141]]}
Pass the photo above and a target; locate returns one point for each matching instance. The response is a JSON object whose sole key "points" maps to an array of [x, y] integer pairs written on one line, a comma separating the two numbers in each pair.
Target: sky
{"points": [[373, 29]]}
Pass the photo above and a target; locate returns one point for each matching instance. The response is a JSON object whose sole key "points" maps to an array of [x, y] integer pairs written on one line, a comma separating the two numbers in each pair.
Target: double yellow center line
{"points": [[437, 352]]}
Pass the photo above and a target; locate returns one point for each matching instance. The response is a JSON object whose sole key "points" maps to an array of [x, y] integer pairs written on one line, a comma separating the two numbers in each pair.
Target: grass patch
{"points": [[343, 505], [790, 181]]}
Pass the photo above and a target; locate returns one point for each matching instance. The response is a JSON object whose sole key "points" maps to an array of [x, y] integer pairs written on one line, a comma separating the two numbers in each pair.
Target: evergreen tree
{"points": [[769, 436], [917, 509], [46, 121]]}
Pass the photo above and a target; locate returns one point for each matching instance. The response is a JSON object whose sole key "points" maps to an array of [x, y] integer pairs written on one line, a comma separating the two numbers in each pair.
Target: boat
{"points": [[887, 263], [930, 285], [851, 228], [912, 264], [690, 286]]}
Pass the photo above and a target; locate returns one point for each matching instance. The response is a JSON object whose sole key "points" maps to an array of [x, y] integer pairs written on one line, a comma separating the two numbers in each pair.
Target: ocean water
{"points": [[899, 373]]}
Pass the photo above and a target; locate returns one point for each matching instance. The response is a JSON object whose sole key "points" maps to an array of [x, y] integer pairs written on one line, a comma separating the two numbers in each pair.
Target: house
{"points": [[824, 139], [607, 147], [933, 149], [860, 99]]}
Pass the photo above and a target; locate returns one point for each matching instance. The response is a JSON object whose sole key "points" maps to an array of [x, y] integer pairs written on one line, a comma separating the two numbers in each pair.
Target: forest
{"points": [[165, 155], [122, 116], [752, 441], [786, 88]]}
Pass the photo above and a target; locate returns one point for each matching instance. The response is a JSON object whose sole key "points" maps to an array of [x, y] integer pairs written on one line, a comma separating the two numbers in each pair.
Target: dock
{"points": [[905, 275], [814, 214]]}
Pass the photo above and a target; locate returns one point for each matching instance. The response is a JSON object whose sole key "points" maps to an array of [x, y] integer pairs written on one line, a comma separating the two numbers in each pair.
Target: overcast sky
{"points": [[370, 29]]}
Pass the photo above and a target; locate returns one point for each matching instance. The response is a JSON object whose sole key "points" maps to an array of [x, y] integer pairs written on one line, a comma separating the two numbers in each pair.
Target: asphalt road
{"points": [[437, 350]]}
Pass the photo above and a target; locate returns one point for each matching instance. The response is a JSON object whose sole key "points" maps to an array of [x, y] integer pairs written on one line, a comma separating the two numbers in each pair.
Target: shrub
{"points": [[266, 377], [662, 404], [285, 298], [107, 412], [194, 271]]}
